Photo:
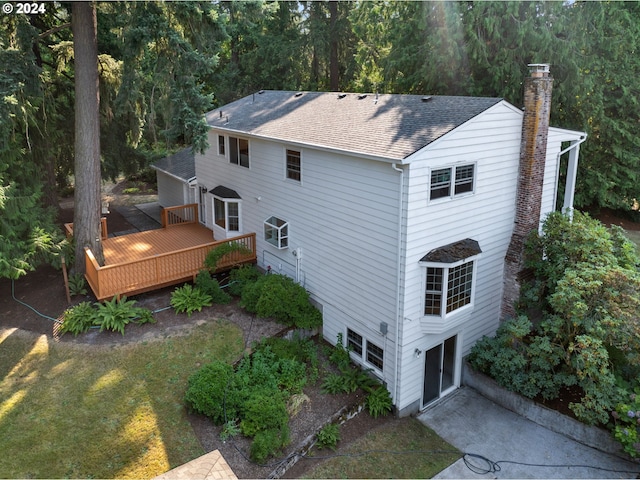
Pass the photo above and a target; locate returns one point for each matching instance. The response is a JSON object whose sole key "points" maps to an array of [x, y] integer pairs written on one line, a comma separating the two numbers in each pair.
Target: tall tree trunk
{"points": [[86, 218], [334, 72]]}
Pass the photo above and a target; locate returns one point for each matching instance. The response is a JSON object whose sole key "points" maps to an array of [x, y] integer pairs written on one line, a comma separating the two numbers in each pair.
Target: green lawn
{"points": [[406, 449], [86, 411]]}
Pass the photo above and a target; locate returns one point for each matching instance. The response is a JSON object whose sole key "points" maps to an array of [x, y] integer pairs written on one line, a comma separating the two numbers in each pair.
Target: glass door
{"points": [[439, 370]]}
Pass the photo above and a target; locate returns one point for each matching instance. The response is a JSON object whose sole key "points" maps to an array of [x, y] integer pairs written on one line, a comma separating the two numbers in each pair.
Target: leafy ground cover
{"points": [[88, 411]]}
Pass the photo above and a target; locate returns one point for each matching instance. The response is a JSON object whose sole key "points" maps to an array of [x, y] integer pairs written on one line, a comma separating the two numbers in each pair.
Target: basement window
{"points": [[452, 181], [276, 232]]}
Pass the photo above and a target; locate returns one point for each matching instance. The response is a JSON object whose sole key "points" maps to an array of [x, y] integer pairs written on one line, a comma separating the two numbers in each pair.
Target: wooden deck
{"points": [[134, 246], [145, 261]]}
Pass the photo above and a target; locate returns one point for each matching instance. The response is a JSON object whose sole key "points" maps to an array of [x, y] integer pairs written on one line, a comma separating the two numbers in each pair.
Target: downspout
{"points": [[398, 273]]}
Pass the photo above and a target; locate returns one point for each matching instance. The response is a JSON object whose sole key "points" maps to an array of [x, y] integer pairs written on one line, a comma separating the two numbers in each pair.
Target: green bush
{"points": [[189, 299], [78, 319], [209, 285], [216, 254], [115, 314], [328, 436], [280, 298], [241, 277], [77, 284], [265, 409], [267, 443], [207, 392], [333, 384], [627, 423], [379, 402]]}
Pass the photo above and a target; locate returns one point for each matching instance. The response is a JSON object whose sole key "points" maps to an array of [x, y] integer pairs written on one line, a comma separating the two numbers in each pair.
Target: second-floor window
{"points": [[451, 181], [239, 151], [221, 149], [294, 165]]}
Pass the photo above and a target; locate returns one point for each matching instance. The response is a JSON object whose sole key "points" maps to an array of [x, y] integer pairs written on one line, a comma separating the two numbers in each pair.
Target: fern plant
{"points": [[189, 299], [77, 284], [114, 315], [328, 436], [379, 402], [78, 319]]}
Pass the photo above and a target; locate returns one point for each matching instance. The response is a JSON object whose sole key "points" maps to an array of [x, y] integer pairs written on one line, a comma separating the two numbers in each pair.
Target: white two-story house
{"points": [[395, 212]]}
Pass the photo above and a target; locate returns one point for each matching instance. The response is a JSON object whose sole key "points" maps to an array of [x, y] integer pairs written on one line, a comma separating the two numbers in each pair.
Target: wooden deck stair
{"points": [[145, 261]]}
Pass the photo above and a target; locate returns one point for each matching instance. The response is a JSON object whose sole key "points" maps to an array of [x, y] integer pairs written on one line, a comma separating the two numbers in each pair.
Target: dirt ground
{"points": [[43, 291]]}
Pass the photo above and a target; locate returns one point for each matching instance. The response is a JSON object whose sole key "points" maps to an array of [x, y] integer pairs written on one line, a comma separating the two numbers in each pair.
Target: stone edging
{"points": [[590, 436]]}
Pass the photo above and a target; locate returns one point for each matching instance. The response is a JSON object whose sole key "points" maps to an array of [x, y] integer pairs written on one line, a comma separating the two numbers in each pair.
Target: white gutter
{"points": [[398, 273]]}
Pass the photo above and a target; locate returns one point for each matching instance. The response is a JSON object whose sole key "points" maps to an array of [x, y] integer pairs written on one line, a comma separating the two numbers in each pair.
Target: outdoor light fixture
{"points": [[417, 352]]}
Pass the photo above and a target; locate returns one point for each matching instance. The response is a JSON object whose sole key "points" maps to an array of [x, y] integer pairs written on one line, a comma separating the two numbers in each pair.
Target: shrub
{"points": [[333, 384], [328, 436], [209, 285], [77, 284], [265, 409], [241, 277], [379, 402], [268, 442], [115, 314], [280, 298], [207, 392], [78, 319], [627, 423], [189, 299], [216, 254]]}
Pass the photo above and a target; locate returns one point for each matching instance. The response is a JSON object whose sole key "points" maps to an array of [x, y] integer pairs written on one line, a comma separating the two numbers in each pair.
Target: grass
{"points": [[87, 411], [403, 449]]}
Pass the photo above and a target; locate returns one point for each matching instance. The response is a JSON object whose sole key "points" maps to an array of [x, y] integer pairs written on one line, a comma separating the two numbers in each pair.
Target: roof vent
{"points": [[342, 95], [360, 97], [299, 94], [426, 99]]}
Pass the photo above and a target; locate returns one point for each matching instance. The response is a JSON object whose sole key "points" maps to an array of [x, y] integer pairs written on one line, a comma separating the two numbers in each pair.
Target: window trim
{"points": [[288, 171], [281, 232], [445, 290], [227, 217], [222, 145], [235, 155], [453, 182], [365, 350]]}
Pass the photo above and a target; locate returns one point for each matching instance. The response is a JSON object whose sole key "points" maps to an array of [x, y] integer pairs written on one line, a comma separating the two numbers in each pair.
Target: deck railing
{"points": [[151, 273], [179, 215], [68, 229]]}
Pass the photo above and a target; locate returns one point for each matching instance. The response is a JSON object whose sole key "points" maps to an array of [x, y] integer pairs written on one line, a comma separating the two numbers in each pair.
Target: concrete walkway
{"points": [[518, 447]]}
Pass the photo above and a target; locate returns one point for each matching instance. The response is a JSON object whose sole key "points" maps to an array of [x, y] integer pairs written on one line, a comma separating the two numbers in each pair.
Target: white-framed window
{"points": [[375, 355], [294, 165], [276, 232], [354, 342], [366, 349], [221, 145], [449, 182], [226, 214], [448, 289], [239, 151], [450, 277]]}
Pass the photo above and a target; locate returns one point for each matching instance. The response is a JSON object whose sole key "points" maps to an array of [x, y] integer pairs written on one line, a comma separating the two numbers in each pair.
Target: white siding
{"points": [[171, 191], [492, 142], [343, 216]]}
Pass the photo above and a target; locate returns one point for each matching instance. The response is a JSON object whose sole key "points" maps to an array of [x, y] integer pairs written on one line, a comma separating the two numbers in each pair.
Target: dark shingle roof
{"points": [[389, 126], [181, 164], [453, 252]]}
